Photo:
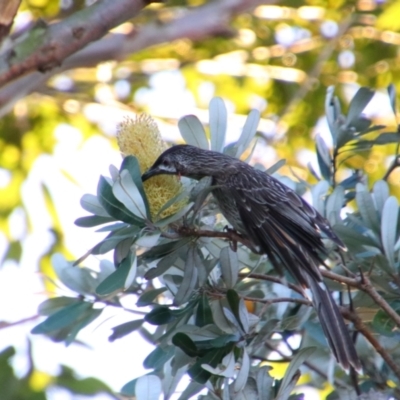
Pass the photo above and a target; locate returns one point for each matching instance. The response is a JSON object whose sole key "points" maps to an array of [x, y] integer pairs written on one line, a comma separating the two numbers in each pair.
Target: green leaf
{"points": [[275, 167], [131, 164], [390, 214], [248, 132], [204, 314], [366, 207], [125, 329], [92, 220], [174, 217], [148, 387], [162, 266], [162, 250], [90, 203], [238, 309], [86, 318], [292, 373], [229, 266], [114, 207], [159, 316], [192, 131], [334, 206], [218, 123], [391, 89], [158, 357], [357, 105], [190, 275], [319, 193], [383, 324], [324, 158], [186, 344], [380, 195], [120, 279], [50, 306], [243, 374], [128, 194], [63, 318], [147, 298]]}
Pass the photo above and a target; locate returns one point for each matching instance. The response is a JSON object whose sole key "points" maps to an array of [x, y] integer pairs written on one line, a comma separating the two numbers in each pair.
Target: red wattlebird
{"points": [[277, 221]]}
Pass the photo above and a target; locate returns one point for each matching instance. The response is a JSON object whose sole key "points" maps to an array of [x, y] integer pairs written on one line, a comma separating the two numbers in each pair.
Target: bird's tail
{"points": [[333, 325]]}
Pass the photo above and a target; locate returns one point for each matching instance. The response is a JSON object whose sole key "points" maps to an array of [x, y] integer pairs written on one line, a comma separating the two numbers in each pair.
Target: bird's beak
{"points": [[148, 174]]}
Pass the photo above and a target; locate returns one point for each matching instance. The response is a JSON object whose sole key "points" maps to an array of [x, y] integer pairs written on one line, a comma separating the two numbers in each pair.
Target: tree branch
{"points": [[208, 20], [46, 47]]}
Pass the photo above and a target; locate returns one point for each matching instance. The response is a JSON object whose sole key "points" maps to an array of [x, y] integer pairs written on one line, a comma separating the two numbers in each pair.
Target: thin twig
{"points": [[362, 328]]}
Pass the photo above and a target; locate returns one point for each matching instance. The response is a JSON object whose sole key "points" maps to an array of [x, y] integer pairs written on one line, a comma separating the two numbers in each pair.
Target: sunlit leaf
{"points": [[389, 222], [193, 132], [148, 387], [218, 123], [357, 105], [128, 194], [90, 203], [248, 132]]}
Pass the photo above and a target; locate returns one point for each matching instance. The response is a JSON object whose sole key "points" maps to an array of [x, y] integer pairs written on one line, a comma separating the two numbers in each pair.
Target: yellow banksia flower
{"points": [[140, 137]]}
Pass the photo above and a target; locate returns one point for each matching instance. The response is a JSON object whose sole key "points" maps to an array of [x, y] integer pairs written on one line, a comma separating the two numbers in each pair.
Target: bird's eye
{"points": [[166, 163]]}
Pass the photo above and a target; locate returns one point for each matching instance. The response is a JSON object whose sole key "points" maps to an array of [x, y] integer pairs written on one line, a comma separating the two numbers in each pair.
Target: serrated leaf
{"points": [[190, 275], [357, 105], [125, 329], [229, 266], [185, 343], [243, 374], [128, 194], [390, 215], [90, 203], [218, 123], [118, 280], [248, 132], [148, 387], [192, 132]]}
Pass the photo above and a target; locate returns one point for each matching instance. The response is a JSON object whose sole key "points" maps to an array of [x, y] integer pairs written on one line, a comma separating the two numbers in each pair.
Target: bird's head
{"points": [[183, 160]]}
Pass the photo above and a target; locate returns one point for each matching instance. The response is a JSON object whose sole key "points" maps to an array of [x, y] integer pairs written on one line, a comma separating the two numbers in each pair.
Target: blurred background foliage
{"points": [[279, 58]]}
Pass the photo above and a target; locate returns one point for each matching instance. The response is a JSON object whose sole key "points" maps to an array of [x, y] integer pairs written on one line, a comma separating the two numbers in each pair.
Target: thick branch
{"points": [[201, 22], [46, 47]]}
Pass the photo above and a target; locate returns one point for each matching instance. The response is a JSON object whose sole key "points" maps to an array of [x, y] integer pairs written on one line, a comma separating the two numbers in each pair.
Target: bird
{"points": [[278, 223]]}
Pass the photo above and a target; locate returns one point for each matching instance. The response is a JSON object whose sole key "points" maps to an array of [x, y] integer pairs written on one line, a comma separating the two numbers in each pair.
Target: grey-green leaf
{"points": [[128, 194], [229, 266], [189, 280], [90, 203], [357, 105], [218, 123], [390, 215], [192, 131], [367, 208], [148, 387], [243, 374], [248, 132]]}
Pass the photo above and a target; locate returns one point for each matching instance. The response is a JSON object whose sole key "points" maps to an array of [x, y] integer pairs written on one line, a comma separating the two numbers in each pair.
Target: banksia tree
{"points": [[222, 315]]}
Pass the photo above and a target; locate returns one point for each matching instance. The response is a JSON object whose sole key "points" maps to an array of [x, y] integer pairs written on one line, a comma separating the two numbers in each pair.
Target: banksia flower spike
{"points": [[140, 137]]}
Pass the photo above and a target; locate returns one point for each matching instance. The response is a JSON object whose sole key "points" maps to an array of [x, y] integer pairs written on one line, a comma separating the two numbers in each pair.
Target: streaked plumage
{"points": [[278, 222]]}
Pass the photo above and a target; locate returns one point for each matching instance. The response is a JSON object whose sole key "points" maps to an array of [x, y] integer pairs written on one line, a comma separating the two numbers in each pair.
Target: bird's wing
{"points": [[280, 222]]}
